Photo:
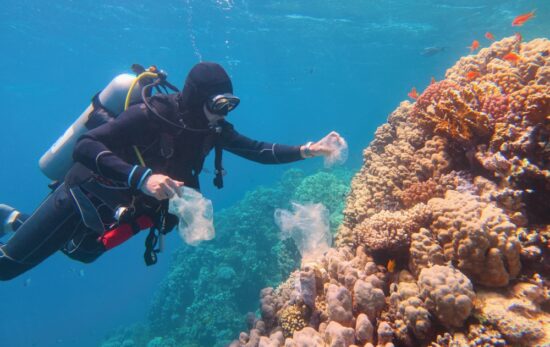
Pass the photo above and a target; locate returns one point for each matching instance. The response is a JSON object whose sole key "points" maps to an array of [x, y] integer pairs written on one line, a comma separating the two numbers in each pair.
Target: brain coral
{"points": [[477, 237]]}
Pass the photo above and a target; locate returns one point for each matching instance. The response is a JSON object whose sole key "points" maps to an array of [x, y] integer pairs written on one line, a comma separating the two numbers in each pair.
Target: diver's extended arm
{"points": [[258, 151], [95, 148], [272, 153]]}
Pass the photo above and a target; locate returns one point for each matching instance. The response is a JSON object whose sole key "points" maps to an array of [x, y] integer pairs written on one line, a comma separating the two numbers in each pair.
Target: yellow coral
{"points": [[291, 319]]}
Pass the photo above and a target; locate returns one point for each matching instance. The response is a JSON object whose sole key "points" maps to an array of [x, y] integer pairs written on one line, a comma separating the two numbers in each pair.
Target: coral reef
{"points": [[445, 233], [210, 288]]}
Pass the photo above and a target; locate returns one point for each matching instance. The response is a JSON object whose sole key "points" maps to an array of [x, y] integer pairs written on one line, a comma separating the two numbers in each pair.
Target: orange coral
{"points": [[532, 103], [448, 111], [419, 192], [508, 81]]}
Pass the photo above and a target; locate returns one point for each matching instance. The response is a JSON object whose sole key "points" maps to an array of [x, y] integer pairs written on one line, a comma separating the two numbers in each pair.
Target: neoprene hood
{"points": [[204, 80]]}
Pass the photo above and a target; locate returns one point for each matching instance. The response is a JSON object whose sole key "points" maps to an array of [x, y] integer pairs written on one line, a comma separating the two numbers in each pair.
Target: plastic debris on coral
{"points": [[308, 225]]}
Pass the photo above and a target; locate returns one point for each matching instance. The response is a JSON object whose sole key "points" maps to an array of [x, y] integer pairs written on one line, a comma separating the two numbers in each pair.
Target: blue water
{"points": [[301, 68]]}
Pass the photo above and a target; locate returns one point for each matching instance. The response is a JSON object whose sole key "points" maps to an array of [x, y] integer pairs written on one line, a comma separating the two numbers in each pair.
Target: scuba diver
{"points": [[125, 169]]}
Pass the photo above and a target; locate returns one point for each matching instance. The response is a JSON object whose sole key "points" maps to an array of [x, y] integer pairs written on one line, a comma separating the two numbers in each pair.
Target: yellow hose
{"points": [[127, 103], [133, 85]]}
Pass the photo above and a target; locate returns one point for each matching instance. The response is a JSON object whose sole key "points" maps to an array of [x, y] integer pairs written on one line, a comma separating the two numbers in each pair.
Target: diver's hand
{"points": [[161, 187], [321, 147]]}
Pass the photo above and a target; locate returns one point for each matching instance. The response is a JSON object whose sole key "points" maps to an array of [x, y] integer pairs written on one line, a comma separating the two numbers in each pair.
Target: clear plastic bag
{"points": [[339, 149], [308, 225], [196, 216]]}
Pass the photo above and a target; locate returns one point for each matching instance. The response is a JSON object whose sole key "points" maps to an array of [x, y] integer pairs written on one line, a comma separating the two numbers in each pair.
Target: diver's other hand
{"points": [[161, 187], [321, 147]]}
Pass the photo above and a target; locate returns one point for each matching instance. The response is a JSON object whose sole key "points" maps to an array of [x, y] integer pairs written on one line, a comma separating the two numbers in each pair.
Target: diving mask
{"points": [[222, 103]]}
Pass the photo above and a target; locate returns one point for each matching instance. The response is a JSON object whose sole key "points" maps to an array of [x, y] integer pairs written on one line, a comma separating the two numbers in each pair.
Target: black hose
{"points": [[182, 126]]}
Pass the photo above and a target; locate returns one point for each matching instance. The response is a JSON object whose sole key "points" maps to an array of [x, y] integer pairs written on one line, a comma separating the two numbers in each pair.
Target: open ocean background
{"points": [[301, 68]]}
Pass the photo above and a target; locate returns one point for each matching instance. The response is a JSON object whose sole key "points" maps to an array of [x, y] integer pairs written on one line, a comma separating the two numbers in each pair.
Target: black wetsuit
{"points": [[105, 160]]}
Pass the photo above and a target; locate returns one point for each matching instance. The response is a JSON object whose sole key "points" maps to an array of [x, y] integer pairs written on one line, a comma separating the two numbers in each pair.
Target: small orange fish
{"points": [[512, 57], [471, 75], [489, 36], [413, 94], [522, 18], [474, 46], [432, 81], [519, 37], [391, 265]]}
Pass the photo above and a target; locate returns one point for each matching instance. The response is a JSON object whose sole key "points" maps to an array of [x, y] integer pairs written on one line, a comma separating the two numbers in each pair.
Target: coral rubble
{"points": [[455, 193]]}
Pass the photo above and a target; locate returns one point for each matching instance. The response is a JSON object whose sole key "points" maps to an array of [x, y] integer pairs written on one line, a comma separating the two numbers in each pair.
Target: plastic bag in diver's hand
{"points": [[195, 215], [338, 149]]}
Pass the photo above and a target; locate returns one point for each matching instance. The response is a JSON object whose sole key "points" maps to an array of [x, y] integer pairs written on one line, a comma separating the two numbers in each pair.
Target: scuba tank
{"points": [[122, 91], [58, 159]]}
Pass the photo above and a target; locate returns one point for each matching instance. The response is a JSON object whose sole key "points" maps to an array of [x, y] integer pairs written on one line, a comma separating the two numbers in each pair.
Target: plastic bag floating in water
{"points": [[195, 214], [338, 149], [308, 226]]}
